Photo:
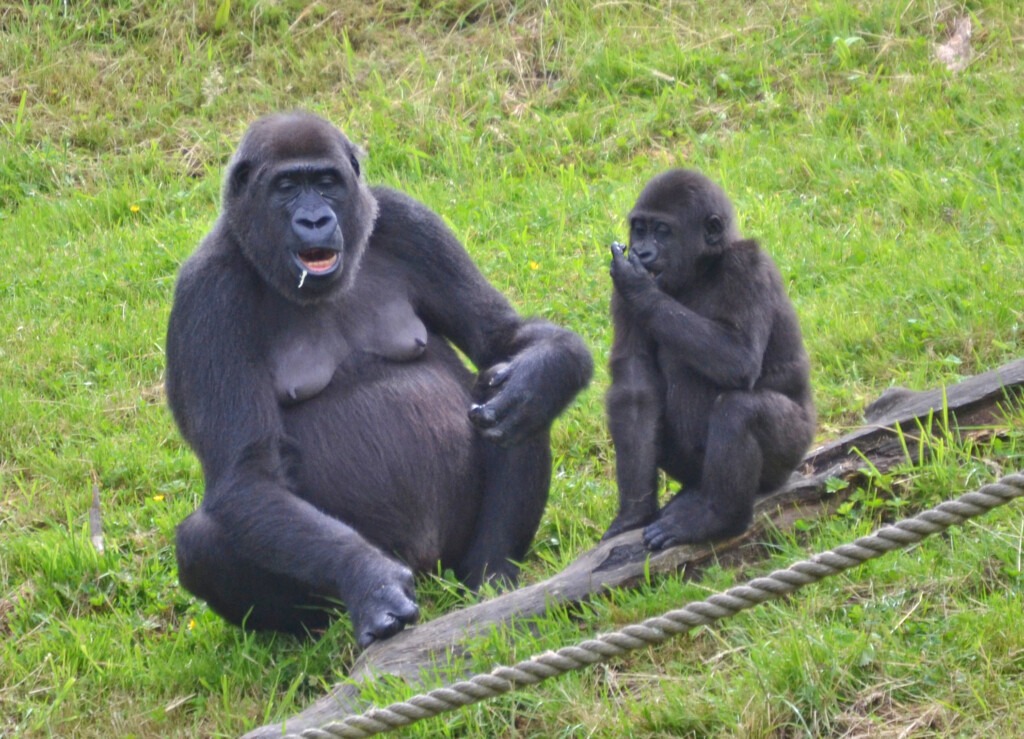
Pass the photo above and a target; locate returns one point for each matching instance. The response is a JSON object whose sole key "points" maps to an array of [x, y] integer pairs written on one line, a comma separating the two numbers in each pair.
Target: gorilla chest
{"points": [[312, 347], [303, 364]]}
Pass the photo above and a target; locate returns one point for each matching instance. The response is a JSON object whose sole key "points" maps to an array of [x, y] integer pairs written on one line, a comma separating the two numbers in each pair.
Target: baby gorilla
{"points": [[710, 379]]}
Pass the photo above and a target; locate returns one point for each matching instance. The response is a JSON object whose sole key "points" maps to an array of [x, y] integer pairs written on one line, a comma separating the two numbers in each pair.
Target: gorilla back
{"points": [[310, 365]]}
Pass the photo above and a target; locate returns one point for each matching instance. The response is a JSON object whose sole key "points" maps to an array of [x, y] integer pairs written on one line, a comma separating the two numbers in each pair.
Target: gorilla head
{"points": [[295, 202], [680, 219]]}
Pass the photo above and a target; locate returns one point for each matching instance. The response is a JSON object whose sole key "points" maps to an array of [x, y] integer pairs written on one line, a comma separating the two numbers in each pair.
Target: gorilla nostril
{"points": [[310, 225], [313, 223]]}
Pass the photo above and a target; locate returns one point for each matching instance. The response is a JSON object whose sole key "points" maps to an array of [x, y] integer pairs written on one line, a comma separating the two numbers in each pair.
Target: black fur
{"points": [[344, 444], [710, 379]]}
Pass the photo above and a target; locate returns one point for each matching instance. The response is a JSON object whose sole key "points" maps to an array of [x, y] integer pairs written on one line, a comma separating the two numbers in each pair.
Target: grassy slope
{"points": [[888, 190]]}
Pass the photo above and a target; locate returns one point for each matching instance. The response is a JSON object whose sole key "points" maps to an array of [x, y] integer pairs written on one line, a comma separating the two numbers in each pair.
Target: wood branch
{"points": [[899, 420]]}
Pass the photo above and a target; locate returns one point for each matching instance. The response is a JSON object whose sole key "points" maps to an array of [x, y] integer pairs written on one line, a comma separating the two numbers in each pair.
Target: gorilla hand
{"points": [[380, 602], [630, 276], [507, 411]]}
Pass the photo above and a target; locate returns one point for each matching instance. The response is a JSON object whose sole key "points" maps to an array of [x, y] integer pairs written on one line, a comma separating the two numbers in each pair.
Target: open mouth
{"points": [[318, 262]]}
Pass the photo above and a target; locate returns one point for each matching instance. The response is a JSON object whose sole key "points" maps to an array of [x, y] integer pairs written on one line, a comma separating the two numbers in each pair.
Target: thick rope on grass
{"points": [[660, 628]]}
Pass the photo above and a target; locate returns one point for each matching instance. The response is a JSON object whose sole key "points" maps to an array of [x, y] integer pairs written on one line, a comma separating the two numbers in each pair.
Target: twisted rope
{"points": [[660, 628]]}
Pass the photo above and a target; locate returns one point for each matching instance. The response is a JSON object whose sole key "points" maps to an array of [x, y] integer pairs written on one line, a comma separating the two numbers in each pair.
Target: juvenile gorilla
{"points": [[310, 365], [710, 380]]}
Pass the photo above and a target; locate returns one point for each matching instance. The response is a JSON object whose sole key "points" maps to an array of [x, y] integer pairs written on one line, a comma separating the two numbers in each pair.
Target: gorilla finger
{"points": [[513, 429], [618, 250], [483, 416], [635, 263], [395, 612], [496, 375], [402, 610], [382, 627]]}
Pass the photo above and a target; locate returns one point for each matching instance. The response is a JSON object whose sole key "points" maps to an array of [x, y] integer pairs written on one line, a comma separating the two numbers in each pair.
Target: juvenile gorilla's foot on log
{"points": [[690, 518], [627, 521]]}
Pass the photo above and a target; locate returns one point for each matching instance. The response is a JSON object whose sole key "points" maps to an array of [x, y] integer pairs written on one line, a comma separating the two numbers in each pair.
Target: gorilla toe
{"points": [[656, 537]]}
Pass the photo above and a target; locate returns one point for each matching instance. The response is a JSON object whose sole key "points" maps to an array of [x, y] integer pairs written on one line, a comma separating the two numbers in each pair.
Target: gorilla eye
{"points": [[638, 227], [662, 229], [355, 164], [286, 185], [327, 182]]}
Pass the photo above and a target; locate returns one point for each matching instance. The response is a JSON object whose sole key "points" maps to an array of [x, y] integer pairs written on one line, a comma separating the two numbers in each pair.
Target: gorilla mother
{"points": [[310, 365]]}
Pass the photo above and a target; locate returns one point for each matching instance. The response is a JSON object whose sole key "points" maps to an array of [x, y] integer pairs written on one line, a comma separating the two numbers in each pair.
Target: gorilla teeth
{"points": [[318, 260]]}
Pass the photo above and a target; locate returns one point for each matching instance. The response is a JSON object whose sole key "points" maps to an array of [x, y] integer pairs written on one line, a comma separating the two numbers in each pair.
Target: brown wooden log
{"points": [[898, 420]]}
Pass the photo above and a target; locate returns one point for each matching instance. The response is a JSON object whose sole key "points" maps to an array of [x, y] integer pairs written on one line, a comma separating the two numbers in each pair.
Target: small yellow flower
{"points": [[158, 498], [191, 624], [134, 208], [534, 265]]}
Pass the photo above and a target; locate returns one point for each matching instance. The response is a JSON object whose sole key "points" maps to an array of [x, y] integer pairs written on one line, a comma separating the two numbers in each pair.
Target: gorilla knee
{"points": [[197, 544], [732, 417]]}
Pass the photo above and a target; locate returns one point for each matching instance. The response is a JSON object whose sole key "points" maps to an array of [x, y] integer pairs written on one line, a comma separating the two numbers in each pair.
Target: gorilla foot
{"points": [[690, 519], [627, 522], [500, 575]]}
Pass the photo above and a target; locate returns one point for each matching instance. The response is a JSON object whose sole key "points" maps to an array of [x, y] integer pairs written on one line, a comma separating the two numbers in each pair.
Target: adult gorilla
{"points": [[310, 366]]}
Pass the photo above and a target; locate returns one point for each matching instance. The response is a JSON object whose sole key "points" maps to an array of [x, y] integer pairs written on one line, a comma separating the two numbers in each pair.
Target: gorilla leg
{"points": [[242, 592], [515, 491], [635, 405], [754, 441]]}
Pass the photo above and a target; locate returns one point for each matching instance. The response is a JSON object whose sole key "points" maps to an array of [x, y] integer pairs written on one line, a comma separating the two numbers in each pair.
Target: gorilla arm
{"points": [[726, 346], [221, 394], [530, 370]]}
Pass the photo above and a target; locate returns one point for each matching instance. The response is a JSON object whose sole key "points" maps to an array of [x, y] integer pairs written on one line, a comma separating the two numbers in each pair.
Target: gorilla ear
{"points": [[356, 154], [239, 177], [714, 229]]}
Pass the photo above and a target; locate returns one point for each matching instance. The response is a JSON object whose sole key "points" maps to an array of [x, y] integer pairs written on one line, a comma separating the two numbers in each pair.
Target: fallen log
{"points": [[898, 424]]}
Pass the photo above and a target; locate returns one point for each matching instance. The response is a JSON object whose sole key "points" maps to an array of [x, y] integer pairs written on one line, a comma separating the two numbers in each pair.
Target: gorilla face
{"points": [[297, 206], [680, 220]]}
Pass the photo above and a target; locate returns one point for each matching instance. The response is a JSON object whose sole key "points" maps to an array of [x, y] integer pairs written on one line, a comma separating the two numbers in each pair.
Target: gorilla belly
{"points": [[393, 455]]}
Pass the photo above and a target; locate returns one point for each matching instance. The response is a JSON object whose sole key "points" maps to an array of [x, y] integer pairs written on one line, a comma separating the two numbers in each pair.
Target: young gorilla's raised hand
{"points": [[710, 379]]}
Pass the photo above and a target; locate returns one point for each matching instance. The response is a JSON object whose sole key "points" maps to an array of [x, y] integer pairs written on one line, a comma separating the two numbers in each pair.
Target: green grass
{"points": [[888, 189]]}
